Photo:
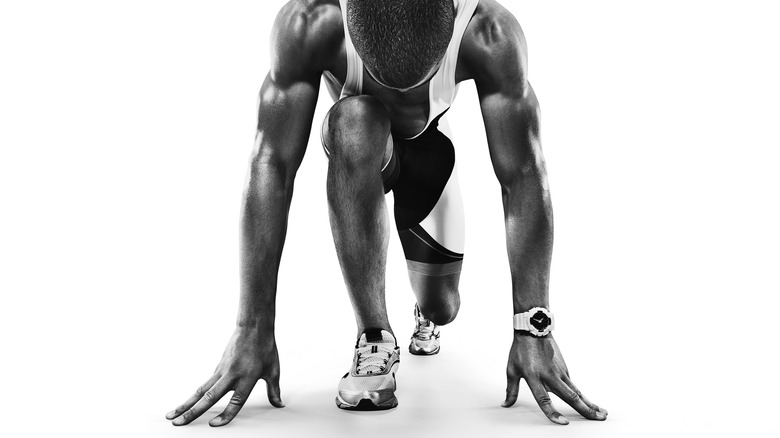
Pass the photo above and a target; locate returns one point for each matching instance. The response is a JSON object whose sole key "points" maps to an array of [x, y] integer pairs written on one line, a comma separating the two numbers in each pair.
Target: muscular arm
{"points": [[286, 108], [511, 115], [288, 97]]}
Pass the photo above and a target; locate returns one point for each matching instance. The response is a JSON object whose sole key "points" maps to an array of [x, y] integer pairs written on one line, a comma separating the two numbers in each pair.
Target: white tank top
{"points": [[442, 89]]}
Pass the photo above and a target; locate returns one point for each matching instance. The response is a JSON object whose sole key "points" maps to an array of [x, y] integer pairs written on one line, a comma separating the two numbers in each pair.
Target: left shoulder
{"points": [[493, 50]]}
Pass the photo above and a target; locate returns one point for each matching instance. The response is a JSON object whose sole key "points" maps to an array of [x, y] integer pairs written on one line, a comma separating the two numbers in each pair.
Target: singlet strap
{"points": [[443, 88], [353, 84]]}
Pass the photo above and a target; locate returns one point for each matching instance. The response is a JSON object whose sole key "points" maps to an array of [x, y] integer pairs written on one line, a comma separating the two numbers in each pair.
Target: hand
{"points": [[250, 355], [539, 361]]}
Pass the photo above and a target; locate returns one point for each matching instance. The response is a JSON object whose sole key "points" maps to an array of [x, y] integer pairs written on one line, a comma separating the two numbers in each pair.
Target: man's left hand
{"points": [[539, 361]]}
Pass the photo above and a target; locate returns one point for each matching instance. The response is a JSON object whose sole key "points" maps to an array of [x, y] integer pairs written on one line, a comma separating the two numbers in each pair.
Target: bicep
{"points": [[512, 120], [288, 96], [508, 103], [284, 119]]}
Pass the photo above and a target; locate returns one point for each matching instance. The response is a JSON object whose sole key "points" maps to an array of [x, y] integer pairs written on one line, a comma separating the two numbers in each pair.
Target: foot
{"points": [[370, 383], [425, 340]]}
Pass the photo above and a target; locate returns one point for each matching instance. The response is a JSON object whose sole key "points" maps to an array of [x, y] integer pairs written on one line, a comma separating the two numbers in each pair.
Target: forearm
{"points": [[529, 235], [264, 213]]}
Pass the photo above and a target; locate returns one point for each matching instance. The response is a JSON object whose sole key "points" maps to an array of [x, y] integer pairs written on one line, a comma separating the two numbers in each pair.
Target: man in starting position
{"points": [[392, 67]]}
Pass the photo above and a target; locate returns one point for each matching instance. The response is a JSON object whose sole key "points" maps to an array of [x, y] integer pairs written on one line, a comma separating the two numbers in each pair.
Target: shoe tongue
{"points": [[375, 336]]}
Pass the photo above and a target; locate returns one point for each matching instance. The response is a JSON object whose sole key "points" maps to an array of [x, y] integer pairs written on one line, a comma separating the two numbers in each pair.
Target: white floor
{"points": [[636, 376], [458, 394]]}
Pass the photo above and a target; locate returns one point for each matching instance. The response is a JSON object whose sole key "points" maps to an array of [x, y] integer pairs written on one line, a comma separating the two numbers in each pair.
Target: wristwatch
{"points": [[537, 321]]}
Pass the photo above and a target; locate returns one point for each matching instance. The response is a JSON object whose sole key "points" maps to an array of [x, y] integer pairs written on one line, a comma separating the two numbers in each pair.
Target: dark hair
{"points": [[400, 40]]}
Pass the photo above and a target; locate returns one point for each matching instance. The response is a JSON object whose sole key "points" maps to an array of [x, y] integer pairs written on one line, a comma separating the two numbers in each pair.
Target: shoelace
{"points": [[424, 330], [372, 359]]}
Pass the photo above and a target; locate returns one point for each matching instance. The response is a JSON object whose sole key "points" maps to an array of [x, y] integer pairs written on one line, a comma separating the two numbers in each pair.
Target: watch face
{"points": [[540, 320]]}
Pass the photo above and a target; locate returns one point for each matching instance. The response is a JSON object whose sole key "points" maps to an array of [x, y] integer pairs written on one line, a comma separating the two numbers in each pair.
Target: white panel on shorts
{"points": [[446, 223]]}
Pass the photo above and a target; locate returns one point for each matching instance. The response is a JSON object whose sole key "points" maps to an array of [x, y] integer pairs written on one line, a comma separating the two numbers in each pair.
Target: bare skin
{"points": [[358, 214], [308, 41]]}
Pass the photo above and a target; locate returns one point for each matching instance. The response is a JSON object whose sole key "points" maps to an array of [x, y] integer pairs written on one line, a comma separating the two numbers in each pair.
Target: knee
{"points": [[441, 311], [356, 128]]}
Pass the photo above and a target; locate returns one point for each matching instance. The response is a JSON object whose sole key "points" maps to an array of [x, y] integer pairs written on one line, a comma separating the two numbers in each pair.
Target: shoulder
{"points": [[493, 50], [306, 37]]}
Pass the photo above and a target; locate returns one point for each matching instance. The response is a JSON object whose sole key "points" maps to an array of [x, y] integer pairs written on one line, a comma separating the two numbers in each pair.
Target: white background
{"points": [[125, 129]]}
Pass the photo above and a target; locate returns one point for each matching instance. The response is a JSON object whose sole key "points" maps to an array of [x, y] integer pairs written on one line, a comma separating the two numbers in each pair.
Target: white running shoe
{"points": [[425, 340], [370, 383]]}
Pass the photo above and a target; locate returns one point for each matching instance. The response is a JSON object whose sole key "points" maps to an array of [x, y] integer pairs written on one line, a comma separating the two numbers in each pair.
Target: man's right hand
{"points": [[250, 355]]}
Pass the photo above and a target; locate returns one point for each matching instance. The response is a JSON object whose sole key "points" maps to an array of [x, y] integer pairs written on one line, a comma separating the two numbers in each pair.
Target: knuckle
{"points": [[208, 396], [237, 399], [544, 400]]}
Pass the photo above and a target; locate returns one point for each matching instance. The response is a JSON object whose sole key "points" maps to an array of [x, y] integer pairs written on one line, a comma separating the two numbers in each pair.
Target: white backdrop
{"points": [[125, 129]]}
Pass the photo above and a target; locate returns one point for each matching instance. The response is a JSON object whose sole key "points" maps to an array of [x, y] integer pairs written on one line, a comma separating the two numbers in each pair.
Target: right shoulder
{"points": [[306, 38]]}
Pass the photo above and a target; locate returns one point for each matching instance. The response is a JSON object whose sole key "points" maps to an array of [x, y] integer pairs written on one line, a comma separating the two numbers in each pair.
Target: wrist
{"points": [[527, 305], [259, 325], [524, 334], [256, 316]]}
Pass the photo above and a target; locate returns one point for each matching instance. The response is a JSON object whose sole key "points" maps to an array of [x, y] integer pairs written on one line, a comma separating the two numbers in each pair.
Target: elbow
{"points": [[527, 179], [267, 161], [269, 177], [263, 165], [526, 194]]}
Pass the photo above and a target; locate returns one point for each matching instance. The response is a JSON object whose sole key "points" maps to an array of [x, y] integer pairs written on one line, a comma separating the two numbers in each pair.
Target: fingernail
{"points": [[178, 421], [170, 414], [561, 419]]}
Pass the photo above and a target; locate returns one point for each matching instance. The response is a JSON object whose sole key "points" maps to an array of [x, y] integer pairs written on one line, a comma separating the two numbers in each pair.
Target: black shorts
{"points": [[428, 208]]}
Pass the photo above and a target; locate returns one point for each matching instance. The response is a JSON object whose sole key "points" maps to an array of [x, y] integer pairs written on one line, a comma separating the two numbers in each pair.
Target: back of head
{"points": [[400, 41]]}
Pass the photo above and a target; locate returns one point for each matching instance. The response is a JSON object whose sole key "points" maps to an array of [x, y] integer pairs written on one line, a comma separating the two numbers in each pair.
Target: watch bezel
{"points": [[533, 330]]}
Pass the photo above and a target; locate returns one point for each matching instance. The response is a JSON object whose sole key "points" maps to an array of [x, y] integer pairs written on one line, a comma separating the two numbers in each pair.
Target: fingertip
{"points": [[170, 415], [178, 421], [557, 418], [274, 394], [510, 400], [217, 421], [277, 403]]}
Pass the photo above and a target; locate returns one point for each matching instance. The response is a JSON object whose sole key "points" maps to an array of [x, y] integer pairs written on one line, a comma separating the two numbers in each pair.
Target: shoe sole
{"points": [[367, 405], [423, 352]]}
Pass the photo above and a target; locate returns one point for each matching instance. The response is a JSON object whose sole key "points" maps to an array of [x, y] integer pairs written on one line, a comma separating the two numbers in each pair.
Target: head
{"points": [[401, 42]]}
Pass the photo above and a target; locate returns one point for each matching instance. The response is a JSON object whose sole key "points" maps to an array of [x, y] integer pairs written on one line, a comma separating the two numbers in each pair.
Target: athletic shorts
{"points": [[422, 175]]}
